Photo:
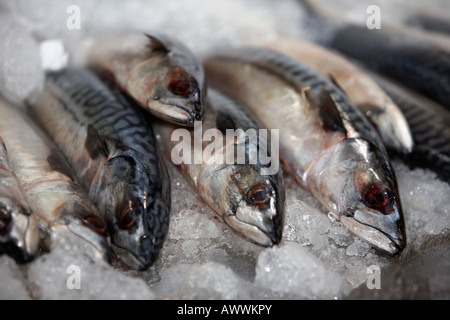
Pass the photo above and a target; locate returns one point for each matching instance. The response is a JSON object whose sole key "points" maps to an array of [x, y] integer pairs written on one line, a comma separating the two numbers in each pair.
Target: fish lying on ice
{"points": [[429, 123], [159, 72], [114, 155], [239, 190], [362, 91], [325, 142], [19, 236], [45, 176]]}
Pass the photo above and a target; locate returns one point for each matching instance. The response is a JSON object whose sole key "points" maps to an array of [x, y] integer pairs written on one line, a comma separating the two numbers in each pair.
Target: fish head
{"points": [[391, 125], [19, 226], [137, 217], [172, 93], [257, 205], [359, 187]]}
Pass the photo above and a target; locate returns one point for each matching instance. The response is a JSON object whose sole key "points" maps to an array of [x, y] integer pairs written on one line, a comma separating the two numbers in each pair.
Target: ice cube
{"points": [[74, 270], [12, 280], [289, 271]]}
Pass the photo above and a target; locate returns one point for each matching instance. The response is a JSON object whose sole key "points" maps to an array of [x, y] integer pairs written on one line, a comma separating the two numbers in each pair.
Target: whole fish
{"points": [[159, 72], [429, 123], [248, 199], [114, 155], [420, 65], [362, 91], [54, 196], [325, 142], [19, 236]]}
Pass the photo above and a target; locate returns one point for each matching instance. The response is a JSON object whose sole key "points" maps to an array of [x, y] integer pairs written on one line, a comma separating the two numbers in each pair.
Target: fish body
{"points": [[47, 181], [159, 72], [248, 199], [19, 235], [114, 155], [418, 64], [325, 142], [361, 90], [429, 123]]}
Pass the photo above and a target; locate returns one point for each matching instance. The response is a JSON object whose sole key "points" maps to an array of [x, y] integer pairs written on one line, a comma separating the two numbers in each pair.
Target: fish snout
{"points": [[384, 232]]}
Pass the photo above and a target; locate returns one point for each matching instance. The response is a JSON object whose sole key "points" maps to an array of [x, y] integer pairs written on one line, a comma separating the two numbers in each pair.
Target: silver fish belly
{"points": [[19, 236], [159, 72], [114, 156], [247, 198], [325, 142], [54, 196]]}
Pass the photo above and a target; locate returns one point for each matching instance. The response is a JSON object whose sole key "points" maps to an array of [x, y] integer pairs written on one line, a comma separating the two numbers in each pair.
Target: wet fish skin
{"points": [[429, 123], [362, 91], [45, 177], [420, 65], [325, 142], [114, 156], [159, 72], [19, 236], [248, 200]]}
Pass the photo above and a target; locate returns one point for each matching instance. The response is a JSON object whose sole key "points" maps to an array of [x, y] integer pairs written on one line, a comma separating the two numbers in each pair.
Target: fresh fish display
{"points": [[429, 123], [248, 199], [54, 196], [19, 236], [114, 156], [420, 65], [160, 73], [362, 91], [325, 142]]}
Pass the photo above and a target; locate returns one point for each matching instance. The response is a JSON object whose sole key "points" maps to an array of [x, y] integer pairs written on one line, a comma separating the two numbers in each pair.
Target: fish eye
{"points": [[181, 83], [127, 217], [95, 223], [260, 196], [379, 198], [180, 88]]}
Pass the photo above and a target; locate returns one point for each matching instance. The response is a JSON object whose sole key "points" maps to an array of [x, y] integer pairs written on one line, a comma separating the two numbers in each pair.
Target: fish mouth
{"points": [[377, 238], [177, 114], [130, 259], [265, 238]]}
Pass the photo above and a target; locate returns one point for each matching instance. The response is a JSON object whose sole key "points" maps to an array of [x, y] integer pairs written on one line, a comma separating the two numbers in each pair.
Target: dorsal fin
{"points": [[156, 45], [94, 144], [328, 111], [2, 143]]}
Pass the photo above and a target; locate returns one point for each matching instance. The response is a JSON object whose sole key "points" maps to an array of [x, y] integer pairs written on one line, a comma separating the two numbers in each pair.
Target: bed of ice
{"points": [[202, 258]]}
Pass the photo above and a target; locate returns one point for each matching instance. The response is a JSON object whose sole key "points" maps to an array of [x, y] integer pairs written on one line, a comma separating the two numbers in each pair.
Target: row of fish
{"points": [[86, 156]]}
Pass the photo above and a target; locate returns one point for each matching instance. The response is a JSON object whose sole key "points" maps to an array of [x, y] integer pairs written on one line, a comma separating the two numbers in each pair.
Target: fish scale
{"points": [[114, 154], [306, 77]]}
